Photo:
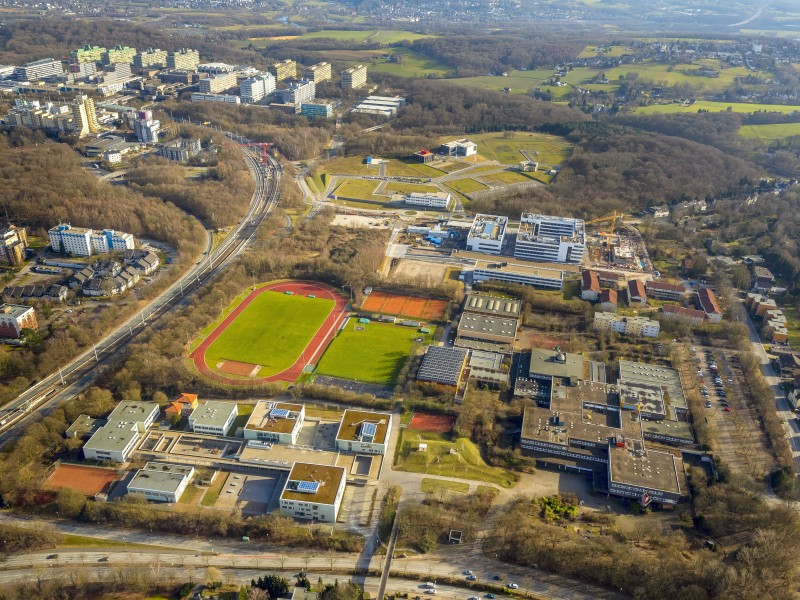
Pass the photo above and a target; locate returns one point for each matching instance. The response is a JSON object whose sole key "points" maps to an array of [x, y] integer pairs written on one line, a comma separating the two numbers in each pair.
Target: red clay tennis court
{"points": [[432, 423], [84, 479], [405, 306]]}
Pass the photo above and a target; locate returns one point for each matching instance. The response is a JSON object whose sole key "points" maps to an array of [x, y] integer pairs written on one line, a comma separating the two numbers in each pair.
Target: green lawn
{"points": [[406, 188], [411, 64], [245, 410], [408, 168], [213, 492], [438, 460], [272, 331], [518, 82], [770, 133], [83, 541], [375, 355], [466, 185], [507, 177], [737, 107], [357, 189], [547, 150], [189, 494], [350, 165], [429, 486]]}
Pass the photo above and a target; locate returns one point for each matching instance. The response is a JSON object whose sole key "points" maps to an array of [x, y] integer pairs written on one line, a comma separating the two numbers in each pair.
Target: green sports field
{"points": [[272, 331], [375, 355]]}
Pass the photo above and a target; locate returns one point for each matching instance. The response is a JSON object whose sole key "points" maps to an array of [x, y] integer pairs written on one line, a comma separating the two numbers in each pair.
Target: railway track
{"points": [[69, 380]]}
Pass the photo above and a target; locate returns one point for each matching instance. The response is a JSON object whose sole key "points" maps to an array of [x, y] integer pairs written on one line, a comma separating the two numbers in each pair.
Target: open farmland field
{"points": [[770, 133], [375, 355], [518, 82], [407, 168], [409, 64], [737, 107], [607, 52]]}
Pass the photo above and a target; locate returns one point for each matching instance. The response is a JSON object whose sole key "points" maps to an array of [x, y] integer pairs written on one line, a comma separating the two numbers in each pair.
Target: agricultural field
{"points": [[466, 185], [439, 460], [407, 63], [737, 107], [605, 51], [770, 133], [389, 36], [374, 355], [518, 82], [271, 331]]}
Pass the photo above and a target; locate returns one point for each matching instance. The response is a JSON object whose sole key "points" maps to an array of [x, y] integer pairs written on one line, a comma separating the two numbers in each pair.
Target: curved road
{"points": [[80, 372]]}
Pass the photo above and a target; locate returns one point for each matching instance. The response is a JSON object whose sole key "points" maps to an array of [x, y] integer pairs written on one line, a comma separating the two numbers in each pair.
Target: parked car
{"points": [[512, 586]]}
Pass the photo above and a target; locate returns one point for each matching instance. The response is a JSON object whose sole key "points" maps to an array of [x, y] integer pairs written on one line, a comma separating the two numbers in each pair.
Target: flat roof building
{"points": [[462, 147], [256, 88], [183, 58], [487, 234], [639, 326], [354, 77], [275, 422], [438, 200], [213, 417], [161, 482], [443, 365], [285, 69], [364, 431], [488, 304], [217, 83], [16, 317], [546, 238], [118, 437], [225, 98], [313, 492], [486, 332], [514, 272]]}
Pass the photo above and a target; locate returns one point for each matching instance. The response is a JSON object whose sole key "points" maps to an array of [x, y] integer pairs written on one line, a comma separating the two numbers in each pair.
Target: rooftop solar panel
{"points": [[369, 429], [279, 413], [310, 487]]}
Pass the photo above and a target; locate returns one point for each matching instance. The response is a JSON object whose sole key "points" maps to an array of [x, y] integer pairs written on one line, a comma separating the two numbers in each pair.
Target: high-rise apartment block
{"points": [[13, 242], [150, 58], [185, 58], [217, 83], [86, 242], [84, 115], [145, 127], [118, 54], [318, 73], [298, 92], [87, 54], [254, 89], [354, 77], [286, 69], [39, 69]]}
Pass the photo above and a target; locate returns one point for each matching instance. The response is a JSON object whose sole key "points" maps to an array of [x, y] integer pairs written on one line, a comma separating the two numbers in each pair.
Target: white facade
{"points": [[638, 326], [550, 239], [440, 200], [487, 234], [462, 147], [313, 492], [364, 431], [298, 92], [551, 279], [227, 98], [161, 482], [275, 422], [85, 242], [253, 89], [113, 442], [213, 418]]}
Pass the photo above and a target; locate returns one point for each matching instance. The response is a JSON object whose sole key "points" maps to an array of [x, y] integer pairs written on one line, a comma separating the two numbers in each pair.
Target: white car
{"points": [[512, 586]]}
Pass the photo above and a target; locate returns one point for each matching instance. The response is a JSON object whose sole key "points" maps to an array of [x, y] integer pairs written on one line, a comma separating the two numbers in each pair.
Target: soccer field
{"points": [[375, 355], [272, 331]]}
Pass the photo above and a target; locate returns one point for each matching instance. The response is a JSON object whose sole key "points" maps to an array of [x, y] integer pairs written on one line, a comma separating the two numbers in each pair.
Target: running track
{"points": [[310, 353]]}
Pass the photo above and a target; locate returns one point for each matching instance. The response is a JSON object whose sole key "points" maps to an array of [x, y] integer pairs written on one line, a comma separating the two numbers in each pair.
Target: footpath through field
{"points": [[312, 351]]}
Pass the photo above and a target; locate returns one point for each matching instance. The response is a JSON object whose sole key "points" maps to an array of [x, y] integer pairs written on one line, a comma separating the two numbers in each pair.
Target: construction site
{"points": [[613, 245]]}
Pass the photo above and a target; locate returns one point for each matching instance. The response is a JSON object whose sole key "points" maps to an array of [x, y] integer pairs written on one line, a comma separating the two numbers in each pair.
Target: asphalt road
{"points": [[79, 373]]}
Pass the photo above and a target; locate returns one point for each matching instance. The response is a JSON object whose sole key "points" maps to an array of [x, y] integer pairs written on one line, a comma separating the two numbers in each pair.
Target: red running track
{"points": [[311, 352]]}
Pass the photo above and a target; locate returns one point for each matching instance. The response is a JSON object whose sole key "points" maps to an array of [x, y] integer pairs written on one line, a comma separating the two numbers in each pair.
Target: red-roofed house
{"points": [[608, 301], [182, 405], [666, 291], [636, 293], [707, 302], [590, 285], [424, 156]]}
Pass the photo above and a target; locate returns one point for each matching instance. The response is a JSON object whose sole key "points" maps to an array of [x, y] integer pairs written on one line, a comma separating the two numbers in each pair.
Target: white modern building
{"points": [[227, 98], [438, 200], [213, 417], [462, 147], [364, 431], [118, 437], [275, 422], [385, 106], [487, 234], [313, 492], [39, 69], [254, 89], [81, 241], [161, 482], [638, 326], [514, 272], [550, 239]]}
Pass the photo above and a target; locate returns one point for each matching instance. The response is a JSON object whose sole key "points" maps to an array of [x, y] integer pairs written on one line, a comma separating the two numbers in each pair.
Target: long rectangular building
{"points": [[515, 272], [550, 239]]}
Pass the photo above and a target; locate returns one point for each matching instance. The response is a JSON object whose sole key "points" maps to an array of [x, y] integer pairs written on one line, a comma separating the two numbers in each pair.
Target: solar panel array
{"points": [[369, 429], [279, 413], [310, 487]]}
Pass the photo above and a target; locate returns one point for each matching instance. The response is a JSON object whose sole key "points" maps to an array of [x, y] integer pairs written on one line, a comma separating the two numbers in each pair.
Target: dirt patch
{"points": [[86, 480], [416, 269], [432, 423]]}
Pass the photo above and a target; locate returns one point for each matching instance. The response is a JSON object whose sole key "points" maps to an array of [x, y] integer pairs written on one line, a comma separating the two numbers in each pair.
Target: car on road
{"points": [[491, 596], [473, 598], [468, 572], [51, 556], [471, 578], [512, 586]]}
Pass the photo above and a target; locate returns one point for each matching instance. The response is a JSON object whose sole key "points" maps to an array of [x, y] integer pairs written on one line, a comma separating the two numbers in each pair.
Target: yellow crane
{"points": [[615, 218]]}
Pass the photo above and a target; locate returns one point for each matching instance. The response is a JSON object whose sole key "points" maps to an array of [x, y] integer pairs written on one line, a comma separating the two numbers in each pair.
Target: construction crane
{"points": [[613, 217]]}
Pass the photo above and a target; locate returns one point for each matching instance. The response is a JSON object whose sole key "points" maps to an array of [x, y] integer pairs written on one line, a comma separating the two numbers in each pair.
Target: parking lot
{"points": [[741, 443]]}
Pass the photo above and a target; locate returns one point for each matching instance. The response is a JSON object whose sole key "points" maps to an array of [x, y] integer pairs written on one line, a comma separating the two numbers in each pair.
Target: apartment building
{"points": [[637, 295], [80, 241], [298, 92], [546, 238], [84, 115], [354, 77], [313, 492], [183, 58], [13, 242], [118, 54], [151, 57], [253, 89], [87, 54], [318, 73], [16, 317], [487, 234], [590, 285], [217, 83], [662, 290], [144, 125], [283, 70], [636, 326], [44, 68], [707, 302], [180, 150]]}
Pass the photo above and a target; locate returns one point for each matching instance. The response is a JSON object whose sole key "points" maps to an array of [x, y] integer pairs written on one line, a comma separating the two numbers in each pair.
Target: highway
{"points": [[40, 399]]}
